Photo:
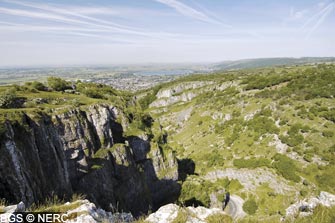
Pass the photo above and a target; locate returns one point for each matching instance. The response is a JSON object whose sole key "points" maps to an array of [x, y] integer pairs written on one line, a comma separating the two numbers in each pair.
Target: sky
{"points": [[111, 32]]}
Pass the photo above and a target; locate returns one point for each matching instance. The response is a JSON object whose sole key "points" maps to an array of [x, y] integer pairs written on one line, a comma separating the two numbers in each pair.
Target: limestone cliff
{"points": [[84, 151]]}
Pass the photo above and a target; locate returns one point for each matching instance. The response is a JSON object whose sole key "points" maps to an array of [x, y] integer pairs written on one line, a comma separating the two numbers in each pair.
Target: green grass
{"points": [[320, 214], [2, 205], [55, 204], [181, 217], [287, 103], [219, 218]]}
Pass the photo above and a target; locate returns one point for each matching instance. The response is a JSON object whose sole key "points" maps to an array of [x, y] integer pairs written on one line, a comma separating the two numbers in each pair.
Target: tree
{"points": [[250, 206], [58, 84], [8, 98], [38, 86]]}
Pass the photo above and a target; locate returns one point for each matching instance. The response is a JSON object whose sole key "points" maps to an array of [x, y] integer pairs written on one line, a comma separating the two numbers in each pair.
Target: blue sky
{"points": [[101, 32]]}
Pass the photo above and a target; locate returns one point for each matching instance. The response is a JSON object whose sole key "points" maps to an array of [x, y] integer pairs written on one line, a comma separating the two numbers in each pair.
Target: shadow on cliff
{"points": [[185, 167], [135, 178], [159, 170], [127, 178]]}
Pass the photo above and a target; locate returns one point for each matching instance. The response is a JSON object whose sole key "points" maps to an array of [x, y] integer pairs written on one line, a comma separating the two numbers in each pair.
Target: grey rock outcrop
{"points": [[47, 155], [77, 211], [169, 213], [305, 207]]}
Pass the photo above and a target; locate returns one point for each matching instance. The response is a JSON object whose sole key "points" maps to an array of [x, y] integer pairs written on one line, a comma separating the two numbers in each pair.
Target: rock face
{"points": [[306, 206], [177, 93], [57, 155], [169, 213]]}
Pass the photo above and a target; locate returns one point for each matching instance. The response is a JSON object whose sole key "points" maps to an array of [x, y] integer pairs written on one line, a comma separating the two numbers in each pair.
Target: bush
{"points": [[215, 159], [261, 82], [219, 218], [320, 214], [57, 84], [38, 86], [194, 194], [252, 163], [329, 115], [98, 91], [8, 99], [181, 217], [286, 167], [262, 125], [328, 134], [149, 97], [308, 157], [250, 206]]}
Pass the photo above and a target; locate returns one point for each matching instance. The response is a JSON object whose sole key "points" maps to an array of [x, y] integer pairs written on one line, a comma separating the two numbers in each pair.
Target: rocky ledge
{"points": [[305, 207]]}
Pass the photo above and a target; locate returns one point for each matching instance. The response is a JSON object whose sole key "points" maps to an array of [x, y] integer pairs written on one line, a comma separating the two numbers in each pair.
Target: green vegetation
{"points": [[252, 163], [328, 134], [181, 217], [196, 192], [320, 214], [58, 84], [286, 167], [8, 98], [261, 82], [235, 121], [219, 218], [294, 137], [55, 204], [262, 125], [250, 206], [149, 97], [2, 205]]}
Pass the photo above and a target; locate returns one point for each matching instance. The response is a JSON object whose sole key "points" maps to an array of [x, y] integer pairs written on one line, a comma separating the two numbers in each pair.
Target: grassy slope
{"points": [[287, 99]]}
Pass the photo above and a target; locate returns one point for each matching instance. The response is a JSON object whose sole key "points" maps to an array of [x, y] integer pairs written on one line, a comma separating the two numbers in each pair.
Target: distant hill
{"points": [[268, 62]]}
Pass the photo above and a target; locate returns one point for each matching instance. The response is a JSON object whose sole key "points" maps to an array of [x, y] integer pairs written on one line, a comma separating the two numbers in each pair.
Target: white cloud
{"points": [[190, 12], [297, 15], [74, 17], [315, 21]]}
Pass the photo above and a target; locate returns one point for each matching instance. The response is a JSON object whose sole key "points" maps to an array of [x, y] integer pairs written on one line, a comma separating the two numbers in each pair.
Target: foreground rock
{"points": [[88, 212], [78, 211], [306, 206], [169, 213]]}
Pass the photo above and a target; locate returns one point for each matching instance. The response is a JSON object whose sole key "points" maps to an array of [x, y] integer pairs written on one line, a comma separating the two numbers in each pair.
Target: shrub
{"points": [[303, 193], [57, 84], [99, 91], [250, 206], [320, 214], [38, 86], [149, 97], [328, 134], [8, 99], [215, 159], [219, 218], [329, 115], [194, 194], [294, 137], [181, 217], [286, 167], [252, 163], [261, 82], [308, 157], [262, 125], [326, 179]]}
